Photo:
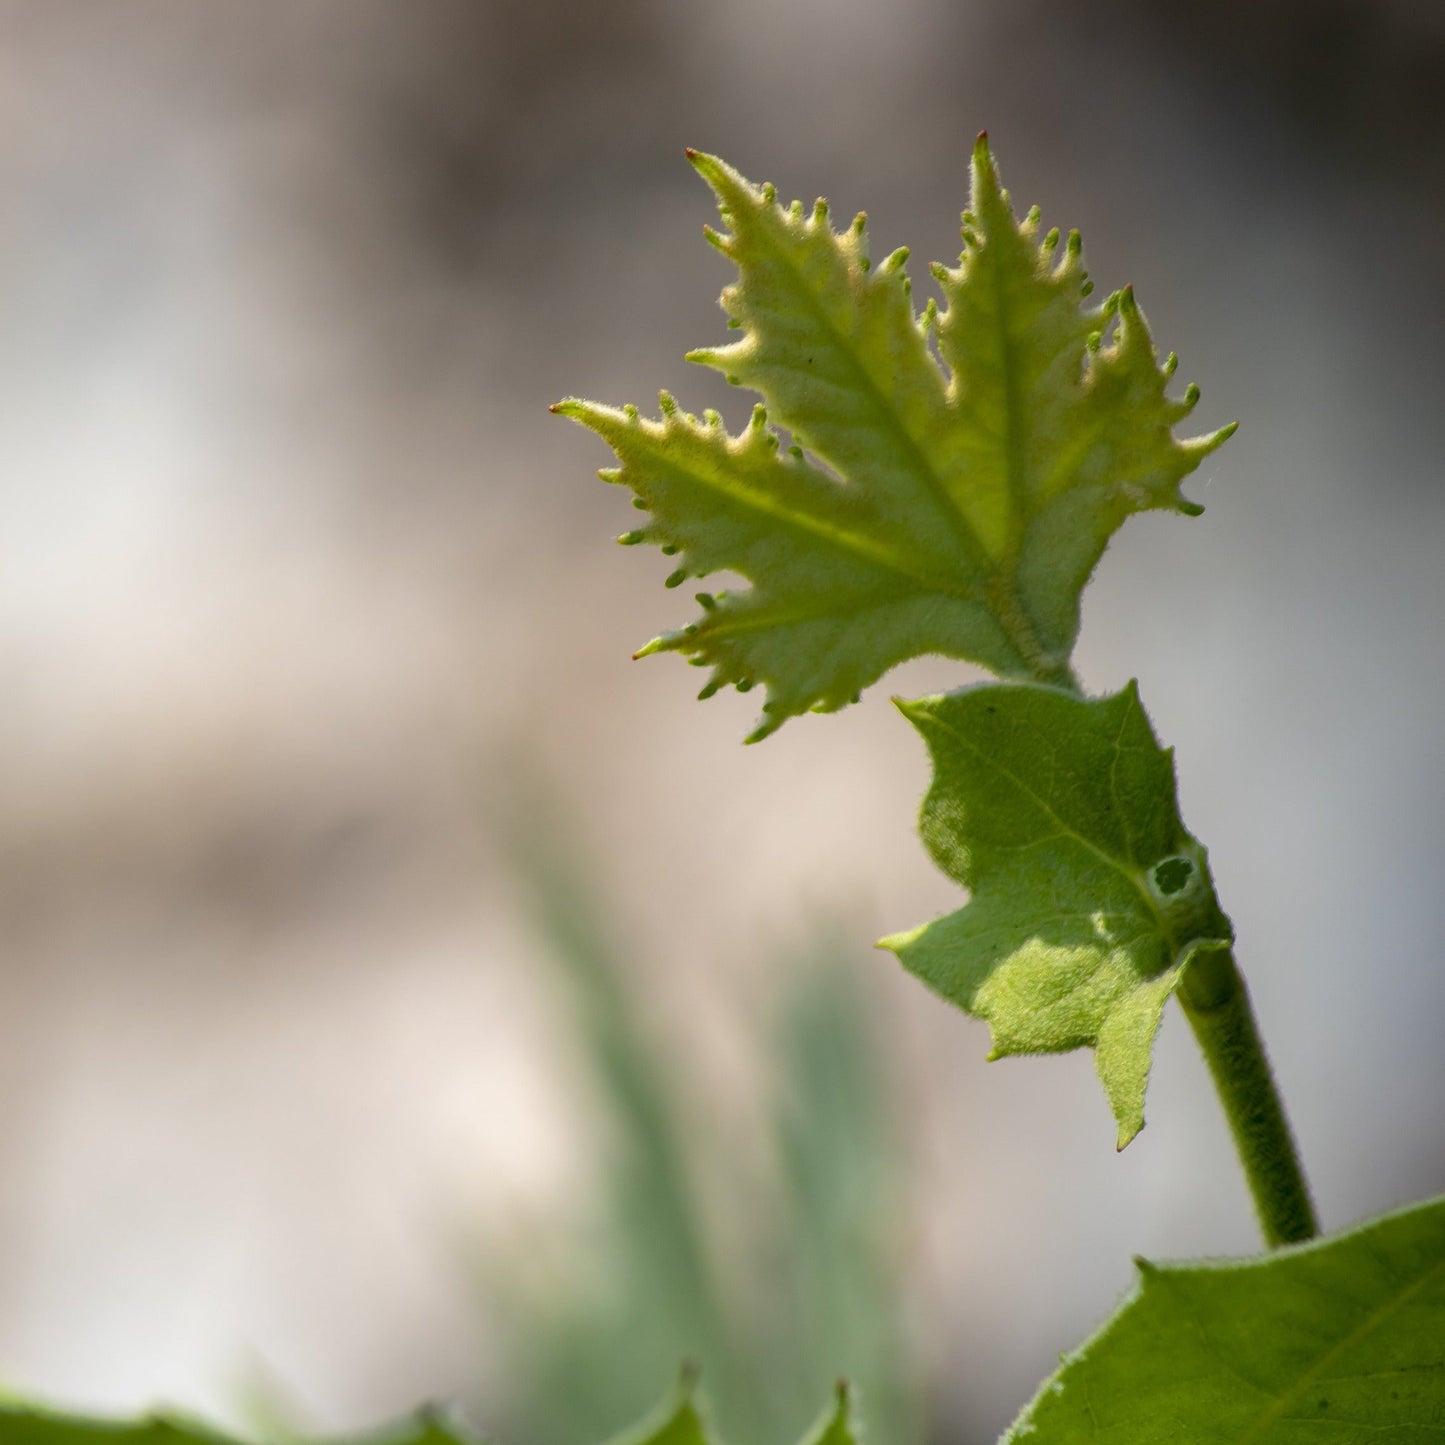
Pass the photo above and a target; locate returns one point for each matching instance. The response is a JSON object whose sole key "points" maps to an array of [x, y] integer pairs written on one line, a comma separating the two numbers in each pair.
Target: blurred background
{"points": [[404, 995]]}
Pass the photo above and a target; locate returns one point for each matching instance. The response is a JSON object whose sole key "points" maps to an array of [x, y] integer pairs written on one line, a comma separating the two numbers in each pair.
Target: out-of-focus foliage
{"points": [[680, 1421], [805, 1287], [21, 1425]]}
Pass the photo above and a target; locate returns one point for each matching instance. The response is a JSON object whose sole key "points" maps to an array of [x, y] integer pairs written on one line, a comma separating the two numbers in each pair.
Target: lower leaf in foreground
{"points": [[27, 1425], [1089, 896], [680, 1421], [1341, 1340]]}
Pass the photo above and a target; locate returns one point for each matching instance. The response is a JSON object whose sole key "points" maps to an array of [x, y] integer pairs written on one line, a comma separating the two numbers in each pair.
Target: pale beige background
{"points": [[295, 569]]}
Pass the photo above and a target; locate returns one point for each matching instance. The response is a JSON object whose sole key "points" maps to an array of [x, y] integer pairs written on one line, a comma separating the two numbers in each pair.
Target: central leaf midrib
{"points": [[922, 466], [1012, 409], [1020, 624]]}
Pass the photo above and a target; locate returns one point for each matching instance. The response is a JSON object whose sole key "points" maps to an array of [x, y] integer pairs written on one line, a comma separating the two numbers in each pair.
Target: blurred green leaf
{"points": [[585, 1351], [680, 1421], [804, 1287], [677, 1421], [22, 1425], [839, 1277]]}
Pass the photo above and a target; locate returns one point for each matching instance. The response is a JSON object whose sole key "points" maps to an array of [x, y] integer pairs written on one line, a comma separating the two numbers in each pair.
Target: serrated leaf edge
{"points": [[1120, 307]]}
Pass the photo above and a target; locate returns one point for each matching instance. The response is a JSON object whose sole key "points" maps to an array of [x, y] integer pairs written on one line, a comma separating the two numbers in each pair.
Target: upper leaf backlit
{"points": [[945, 493]]}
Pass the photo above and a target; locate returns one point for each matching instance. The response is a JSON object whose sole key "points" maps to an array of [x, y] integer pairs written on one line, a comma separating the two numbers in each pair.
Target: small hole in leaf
{"points": [[1172, 874]]}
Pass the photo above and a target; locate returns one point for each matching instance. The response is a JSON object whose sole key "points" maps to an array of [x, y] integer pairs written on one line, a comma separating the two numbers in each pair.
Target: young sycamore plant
{"points": [[952, 480]]}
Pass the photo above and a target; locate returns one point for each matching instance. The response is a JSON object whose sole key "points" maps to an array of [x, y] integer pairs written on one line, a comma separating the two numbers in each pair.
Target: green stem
{"points": [[1216, 1003]]}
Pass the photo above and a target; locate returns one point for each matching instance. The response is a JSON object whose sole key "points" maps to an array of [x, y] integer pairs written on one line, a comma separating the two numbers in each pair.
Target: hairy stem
{"points": [[1216, 1003]]}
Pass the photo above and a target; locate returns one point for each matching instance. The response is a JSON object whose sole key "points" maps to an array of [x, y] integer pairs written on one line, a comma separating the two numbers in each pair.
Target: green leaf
{"points": [[919, 509], [802, 1286], [586, 1340], [836, 1425], [26, 1425], [679, 1421], [1340, 1341], [1089, 897]]}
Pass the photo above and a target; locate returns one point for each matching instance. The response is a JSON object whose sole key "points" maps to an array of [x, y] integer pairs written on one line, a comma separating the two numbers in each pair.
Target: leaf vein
{"points": [[1362, 1331], [1065, 830]]}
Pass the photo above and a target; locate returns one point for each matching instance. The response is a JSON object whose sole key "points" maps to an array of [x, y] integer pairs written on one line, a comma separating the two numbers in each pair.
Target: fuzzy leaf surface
{"points": [[1340, 1341], [952, 501], [1089, 897]]}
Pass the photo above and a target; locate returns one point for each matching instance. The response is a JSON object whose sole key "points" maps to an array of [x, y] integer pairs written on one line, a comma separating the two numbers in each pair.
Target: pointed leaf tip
{"points": [[986, 185]]}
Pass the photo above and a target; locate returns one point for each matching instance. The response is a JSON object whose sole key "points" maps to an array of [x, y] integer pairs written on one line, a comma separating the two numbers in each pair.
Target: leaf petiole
{"points": [[1216, 1003]]}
